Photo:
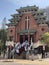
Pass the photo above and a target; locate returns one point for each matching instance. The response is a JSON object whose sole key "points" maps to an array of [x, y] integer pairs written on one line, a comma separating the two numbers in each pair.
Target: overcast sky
{"points": [[8, 7]]}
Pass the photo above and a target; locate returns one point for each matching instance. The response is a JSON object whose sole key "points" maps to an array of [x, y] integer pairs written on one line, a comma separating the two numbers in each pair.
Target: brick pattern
{"points": [[32, 25]]}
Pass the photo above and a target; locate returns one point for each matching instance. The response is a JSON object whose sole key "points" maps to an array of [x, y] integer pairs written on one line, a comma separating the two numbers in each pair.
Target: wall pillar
{"points": [[15, 35], [28, 38], [18, 38], [35, 37], [23, 38]]}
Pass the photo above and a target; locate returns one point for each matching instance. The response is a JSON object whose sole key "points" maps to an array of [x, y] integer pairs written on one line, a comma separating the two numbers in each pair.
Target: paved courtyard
{"points": [[25, 62]]}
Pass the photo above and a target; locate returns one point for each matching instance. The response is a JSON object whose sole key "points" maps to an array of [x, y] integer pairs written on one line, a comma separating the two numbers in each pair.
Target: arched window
{"points": [[27, 22], [43, 29], [11, 31]]}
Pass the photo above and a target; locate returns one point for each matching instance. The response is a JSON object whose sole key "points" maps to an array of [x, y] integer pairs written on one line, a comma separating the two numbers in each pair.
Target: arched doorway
{"points": [[21, 39], [26, 37]]}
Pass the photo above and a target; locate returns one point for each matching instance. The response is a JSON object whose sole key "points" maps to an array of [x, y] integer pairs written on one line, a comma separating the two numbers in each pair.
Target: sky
{"points": [[8, 7]]}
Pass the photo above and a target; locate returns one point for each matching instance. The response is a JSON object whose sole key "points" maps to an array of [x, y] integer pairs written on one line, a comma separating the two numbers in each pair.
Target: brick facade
{"points": [[40, 29]]}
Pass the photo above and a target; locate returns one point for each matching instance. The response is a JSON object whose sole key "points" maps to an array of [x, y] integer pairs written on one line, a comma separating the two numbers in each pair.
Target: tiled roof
{"points": [[39, 18], [12, 24], [27, 8]]}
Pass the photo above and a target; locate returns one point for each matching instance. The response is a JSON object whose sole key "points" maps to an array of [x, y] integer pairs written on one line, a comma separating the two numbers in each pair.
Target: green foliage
{"points": [[1, 45], [45, 38], [3, 37]]}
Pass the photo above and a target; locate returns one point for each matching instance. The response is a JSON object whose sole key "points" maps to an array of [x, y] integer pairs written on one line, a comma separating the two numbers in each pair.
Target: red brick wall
{"points": [[11, 33], [39, 30], [32, 25]]}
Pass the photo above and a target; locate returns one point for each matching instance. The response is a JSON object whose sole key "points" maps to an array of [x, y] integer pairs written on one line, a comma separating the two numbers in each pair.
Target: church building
{"points": [[28, 23]]}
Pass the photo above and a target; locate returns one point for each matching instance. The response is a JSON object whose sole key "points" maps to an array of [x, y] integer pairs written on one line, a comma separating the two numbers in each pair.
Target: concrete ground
{"points": [[24, 62]]}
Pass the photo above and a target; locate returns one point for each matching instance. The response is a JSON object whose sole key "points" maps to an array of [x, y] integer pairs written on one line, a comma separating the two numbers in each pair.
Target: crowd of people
{"points": [[18, 48]]}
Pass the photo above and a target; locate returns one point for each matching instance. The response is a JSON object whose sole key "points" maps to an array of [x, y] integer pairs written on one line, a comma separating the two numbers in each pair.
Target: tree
{"points": [[3, 37], [45, 38], [3, 32]]}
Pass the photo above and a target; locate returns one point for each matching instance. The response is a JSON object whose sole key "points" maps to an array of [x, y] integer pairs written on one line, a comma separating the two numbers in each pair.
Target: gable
{"points": [[32, 22]]}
